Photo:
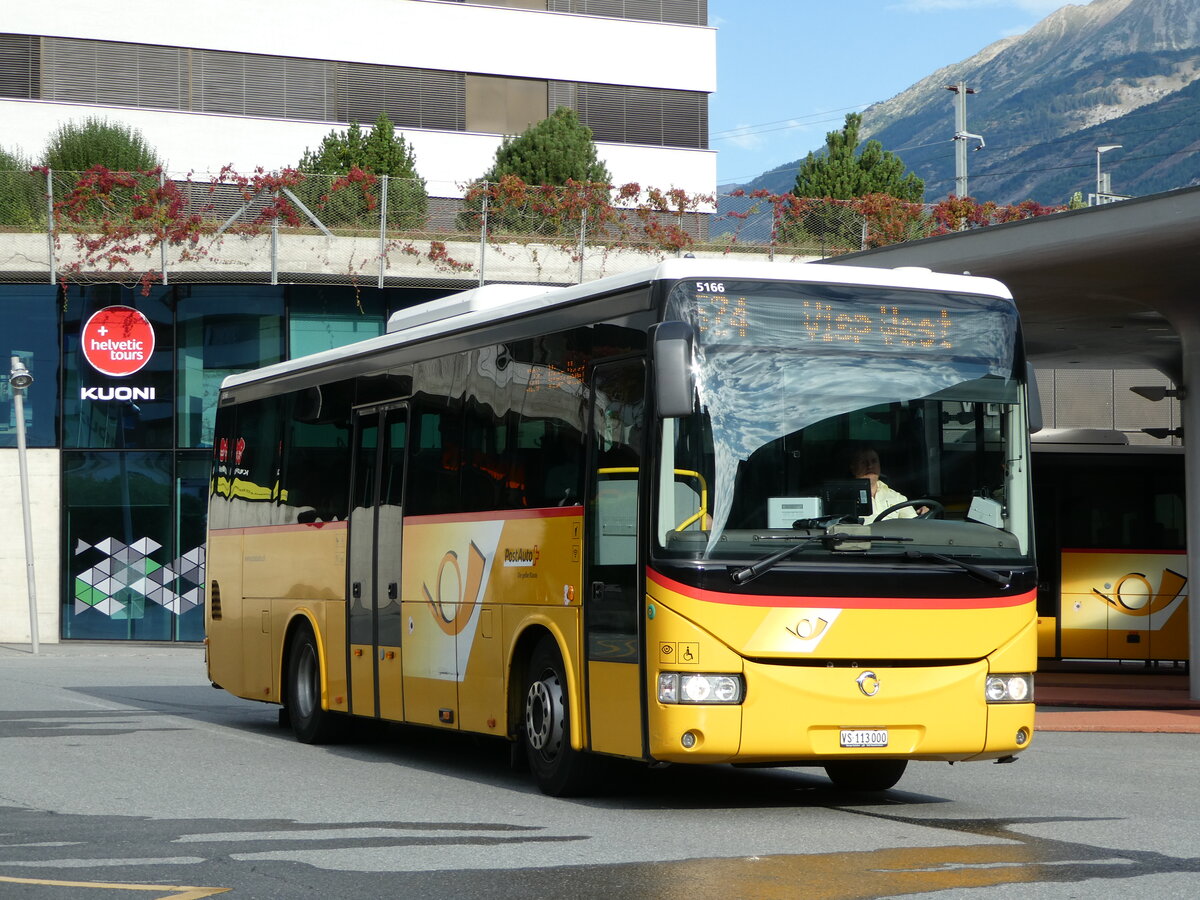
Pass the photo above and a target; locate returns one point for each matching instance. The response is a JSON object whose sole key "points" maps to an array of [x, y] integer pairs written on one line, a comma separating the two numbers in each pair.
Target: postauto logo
{"points": [[117, 341]]}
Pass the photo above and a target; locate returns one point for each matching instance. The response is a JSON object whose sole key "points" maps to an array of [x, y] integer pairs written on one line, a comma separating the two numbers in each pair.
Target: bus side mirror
{"points": [[674, 384], [1035, 401]]}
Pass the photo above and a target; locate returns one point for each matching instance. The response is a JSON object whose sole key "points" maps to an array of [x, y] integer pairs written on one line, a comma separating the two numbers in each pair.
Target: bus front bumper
{"points": [[803, 714]]}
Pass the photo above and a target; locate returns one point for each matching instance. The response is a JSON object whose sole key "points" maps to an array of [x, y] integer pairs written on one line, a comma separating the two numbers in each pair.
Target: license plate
{"points": [[864, 737]]}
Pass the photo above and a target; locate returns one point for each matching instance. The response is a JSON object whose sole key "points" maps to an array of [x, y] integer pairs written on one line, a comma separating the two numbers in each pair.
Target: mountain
{"points": [[1112, 72]]}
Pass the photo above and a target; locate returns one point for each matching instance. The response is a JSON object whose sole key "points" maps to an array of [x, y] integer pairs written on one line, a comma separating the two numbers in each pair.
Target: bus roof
{"points": [[495, 302]]}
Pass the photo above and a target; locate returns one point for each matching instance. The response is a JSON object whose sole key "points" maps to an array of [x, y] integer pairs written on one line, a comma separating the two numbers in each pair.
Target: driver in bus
{"points": [[864, 463]]}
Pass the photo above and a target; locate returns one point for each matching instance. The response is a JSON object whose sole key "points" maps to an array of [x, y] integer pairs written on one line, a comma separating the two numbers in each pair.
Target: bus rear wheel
{"points": [[866, 775], [310, 723], [559, 770]]}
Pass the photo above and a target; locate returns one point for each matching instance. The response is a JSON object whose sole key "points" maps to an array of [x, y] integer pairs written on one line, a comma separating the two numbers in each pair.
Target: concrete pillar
{"points": [[1189, 406]]}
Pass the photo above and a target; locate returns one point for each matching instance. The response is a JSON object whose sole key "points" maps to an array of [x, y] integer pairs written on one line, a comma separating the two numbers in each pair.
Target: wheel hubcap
{"points": [[544, 716]]}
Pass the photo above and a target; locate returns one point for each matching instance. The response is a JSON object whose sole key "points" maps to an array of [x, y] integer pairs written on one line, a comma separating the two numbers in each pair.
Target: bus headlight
{"points": [[689, 687], [1009, 688]]}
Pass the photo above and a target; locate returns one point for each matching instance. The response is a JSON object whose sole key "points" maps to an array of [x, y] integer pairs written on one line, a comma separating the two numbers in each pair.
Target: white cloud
{"points": [[743, 137]]}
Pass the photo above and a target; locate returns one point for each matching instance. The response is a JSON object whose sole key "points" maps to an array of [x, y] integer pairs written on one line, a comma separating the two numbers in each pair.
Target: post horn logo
{"points": [[453, 612], [868, 683]]}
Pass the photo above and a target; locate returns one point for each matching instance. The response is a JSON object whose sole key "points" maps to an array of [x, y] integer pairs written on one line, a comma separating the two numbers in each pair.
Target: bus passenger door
{"points": [[376, 517], [613, 582]]}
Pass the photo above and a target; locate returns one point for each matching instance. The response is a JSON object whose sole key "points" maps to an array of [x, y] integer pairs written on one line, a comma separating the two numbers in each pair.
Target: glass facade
{"points": [[31, 333], [125, 384]]}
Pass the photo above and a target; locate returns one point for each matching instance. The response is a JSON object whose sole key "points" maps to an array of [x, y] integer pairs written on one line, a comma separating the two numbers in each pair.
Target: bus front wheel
{"points": [[559, 770], [866, 775], [310, 723]]}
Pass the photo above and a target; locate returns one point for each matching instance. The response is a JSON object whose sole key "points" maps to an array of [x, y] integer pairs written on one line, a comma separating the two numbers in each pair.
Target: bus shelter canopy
{"points": [[1107, 287], [1110, 287]]}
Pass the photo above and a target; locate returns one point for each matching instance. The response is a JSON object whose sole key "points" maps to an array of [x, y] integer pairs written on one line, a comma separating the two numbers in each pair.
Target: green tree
{"points": [[78, 146], [554, 152], [378, 152], [839, 174], [22, 193]]}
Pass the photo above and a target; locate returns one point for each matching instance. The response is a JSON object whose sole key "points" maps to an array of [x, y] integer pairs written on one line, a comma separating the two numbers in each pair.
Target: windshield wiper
{"points": [[749, 573], [977, 571]]}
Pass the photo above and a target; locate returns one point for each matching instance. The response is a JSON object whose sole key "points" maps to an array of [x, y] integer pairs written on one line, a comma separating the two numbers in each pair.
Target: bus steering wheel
{"points": [[935, 508]]}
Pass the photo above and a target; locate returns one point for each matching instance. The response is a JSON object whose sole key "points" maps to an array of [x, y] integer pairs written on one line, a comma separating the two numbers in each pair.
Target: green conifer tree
{"points": [[381, 152], [840, 174], [554, 151], [557, 150]]}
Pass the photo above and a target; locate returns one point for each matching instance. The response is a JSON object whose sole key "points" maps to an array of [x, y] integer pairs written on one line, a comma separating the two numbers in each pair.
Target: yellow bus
{"points": [[644, 518], [1113, 574]]}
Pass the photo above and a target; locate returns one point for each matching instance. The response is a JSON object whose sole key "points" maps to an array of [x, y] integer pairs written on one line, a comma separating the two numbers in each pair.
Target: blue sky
{"points": [[788, 71]]}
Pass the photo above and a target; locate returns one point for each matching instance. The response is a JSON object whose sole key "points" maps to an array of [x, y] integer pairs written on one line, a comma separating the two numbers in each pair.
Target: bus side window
{"points": [[315, 486], [561, 453], [254, 456], [437, 461]]}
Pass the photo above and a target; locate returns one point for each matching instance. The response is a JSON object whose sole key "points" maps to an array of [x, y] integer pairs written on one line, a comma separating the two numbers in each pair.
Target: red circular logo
{"points": [[117, 341]]}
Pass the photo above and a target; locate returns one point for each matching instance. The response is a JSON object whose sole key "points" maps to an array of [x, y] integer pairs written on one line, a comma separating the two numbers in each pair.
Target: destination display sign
{"points": [[861, 319]]}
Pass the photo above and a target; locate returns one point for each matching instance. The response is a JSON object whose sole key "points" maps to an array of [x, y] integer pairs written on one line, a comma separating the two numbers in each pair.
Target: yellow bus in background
{"points": [[622, 519], [1112, 545]]}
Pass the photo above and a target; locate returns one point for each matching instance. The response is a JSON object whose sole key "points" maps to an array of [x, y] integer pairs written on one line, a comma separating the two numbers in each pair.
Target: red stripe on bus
{"points": [[839, 602], [495, 515]]}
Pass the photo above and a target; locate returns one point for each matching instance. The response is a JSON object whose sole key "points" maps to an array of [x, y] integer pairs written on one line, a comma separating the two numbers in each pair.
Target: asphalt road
{"points": [[124, 774]]}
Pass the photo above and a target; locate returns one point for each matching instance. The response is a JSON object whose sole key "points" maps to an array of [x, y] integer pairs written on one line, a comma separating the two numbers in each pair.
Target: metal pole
{"points": [[582, 239], [275, 242], [1189, 407], [961, 136], [960, 143], [50, 223], [162, 244], [383, 179], [19, 408], [1100, 185], [483, 236]]}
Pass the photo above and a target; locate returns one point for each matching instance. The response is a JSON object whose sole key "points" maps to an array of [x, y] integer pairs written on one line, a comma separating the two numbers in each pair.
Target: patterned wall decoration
{"points": [[126, 578]]}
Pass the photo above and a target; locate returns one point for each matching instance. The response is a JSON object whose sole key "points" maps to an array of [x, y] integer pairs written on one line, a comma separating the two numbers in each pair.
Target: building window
{"points": [[683, 12], [628, 115], [321, 318], [118, 383], [31, 334], [20, 63], [117, 543], [220, 330], [498, 105], [227, 83]]}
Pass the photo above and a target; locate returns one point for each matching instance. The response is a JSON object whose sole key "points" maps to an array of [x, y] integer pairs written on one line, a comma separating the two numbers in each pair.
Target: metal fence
{"points": [[272, 228]]}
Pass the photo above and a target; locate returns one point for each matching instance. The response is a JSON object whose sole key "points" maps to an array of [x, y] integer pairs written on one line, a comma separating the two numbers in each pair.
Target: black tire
{"points": [[866, 775], [546, 726], [310, 723]]}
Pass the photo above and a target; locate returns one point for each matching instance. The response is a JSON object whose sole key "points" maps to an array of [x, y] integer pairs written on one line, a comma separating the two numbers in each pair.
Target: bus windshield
{"points": [[891, 414]]}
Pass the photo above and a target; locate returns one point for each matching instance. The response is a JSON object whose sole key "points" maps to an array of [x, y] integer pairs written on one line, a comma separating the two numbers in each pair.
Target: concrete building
{"points": [[229, 83], [119, 468]]}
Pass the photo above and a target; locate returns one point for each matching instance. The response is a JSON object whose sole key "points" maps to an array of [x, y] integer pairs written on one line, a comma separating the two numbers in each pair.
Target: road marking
{"points": [[176, 891], [89, 863]]}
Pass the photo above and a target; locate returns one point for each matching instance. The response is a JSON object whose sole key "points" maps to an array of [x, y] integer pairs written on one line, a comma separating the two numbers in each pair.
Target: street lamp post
{"points": [[1103, 148], [20, 380]]}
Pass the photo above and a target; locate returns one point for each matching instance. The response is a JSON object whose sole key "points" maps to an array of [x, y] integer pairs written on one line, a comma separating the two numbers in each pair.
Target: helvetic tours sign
{"points": [[117, 341]]}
